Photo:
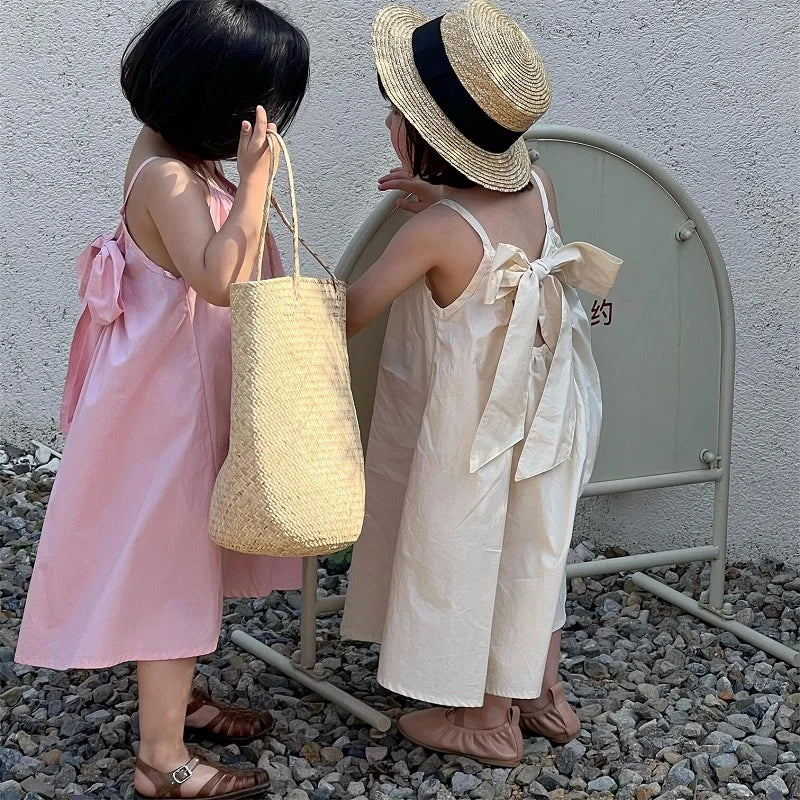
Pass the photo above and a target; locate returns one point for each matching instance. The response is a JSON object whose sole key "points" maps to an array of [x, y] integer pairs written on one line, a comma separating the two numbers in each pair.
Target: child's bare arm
{"points": [[410, 255], [422, 194], [208, 260]]}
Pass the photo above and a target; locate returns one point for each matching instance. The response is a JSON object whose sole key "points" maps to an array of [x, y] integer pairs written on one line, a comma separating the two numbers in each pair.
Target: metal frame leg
{"points": [[716, 587], [304, 674], [742, 632], [308, 615]]}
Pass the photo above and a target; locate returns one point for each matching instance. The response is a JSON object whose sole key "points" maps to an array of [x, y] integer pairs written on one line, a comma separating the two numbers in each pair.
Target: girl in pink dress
{"points": [[126, 570]]}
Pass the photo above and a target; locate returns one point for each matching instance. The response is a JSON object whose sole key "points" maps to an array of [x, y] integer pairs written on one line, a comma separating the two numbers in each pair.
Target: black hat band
{"points": [[450, 95]]}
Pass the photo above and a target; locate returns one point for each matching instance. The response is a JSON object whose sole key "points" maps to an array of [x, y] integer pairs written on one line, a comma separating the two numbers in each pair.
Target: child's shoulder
{"points": [[435, 236], [547, 182], [452, 238], [437, 215], [158, 175], [430, 225], [544, 175]]}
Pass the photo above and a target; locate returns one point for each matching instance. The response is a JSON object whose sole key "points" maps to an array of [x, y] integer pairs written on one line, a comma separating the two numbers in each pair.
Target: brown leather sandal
{"points": [[556, 721], [231, 725], [226, 784]]}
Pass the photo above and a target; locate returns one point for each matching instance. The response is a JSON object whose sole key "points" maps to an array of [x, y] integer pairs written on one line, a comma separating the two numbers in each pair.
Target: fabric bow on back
{"points": [[539, 301], [99, 268]]}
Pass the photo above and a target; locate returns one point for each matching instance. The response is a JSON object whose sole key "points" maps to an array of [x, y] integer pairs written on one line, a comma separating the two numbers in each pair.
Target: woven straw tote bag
{"points": [[293, 481]]}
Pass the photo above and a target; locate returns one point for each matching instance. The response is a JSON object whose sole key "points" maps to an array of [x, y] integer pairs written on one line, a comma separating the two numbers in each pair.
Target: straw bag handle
{"points": [[277, 140]]}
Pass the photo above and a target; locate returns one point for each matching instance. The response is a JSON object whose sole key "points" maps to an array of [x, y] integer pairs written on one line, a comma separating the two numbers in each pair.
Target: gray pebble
{"points": [[693, 730], [11, 790], [569, 756], [39, 786], [679, 775], [604, 783], [744, 722], [774, 787], [462, 784], [723, 765], [739, 791]]}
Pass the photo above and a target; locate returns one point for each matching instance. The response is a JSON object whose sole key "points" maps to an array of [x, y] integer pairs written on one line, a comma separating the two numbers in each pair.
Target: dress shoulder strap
{"points": [[135, 176], [471, 220], [548, 217]]}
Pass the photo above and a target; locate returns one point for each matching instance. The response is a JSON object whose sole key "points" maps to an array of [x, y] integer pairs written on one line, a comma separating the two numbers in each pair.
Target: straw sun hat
{"points": [[470, 82]]}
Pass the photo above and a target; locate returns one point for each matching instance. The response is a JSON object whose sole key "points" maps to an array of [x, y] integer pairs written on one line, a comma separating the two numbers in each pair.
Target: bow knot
{"points": [[579, 264], [539, 301], [510, 266], [100, 268]]}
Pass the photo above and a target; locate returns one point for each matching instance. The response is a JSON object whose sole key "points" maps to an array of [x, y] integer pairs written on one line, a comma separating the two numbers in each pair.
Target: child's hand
{"points": [[426, 194], [254, 158]]}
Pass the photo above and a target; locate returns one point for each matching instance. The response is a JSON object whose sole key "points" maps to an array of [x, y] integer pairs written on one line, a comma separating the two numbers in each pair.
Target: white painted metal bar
{"points": [[610, 566], [665, 481], [742, 632], [324, 689], [602, 566], [39, 445], [716, 583], [331, 605]]}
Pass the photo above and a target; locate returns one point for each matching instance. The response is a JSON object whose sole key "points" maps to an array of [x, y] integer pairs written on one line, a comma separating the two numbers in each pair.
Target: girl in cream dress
{"points": [[487, 414]]}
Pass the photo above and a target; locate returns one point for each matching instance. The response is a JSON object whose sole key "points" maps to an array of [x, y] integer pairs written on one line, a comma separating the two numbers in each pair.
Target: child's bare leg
{"points": [[494, 710], [550, 714], [164, 688], [492, 713], [550, 676]]}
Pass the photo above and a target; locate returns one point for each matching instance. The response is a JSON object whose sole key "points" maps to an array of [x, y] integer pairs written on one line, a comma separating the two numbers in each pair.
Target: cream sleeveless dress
{"points": [[481, 444]]}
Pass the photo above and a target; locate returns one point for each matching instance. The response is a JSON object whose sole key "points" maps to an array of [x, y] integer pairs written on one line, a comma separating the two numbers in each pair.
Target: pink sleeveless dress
{"points": [[126, 570]]}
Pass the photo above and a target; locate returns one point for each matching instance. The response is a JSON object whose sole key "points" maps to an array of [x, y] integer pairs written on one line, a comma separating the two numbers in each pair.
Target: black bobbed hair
{"points": [[202, 66]]}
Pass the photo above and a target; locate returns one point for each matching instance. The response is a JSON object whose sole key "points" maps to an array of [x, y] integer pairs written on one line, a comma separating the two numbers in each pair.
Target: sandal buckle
{"points": [[182, 774]]}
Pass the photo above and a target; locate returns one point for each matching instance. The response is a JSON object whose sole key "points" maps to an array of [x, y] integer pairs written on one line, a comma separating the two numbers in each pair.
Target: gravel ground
{"points": [[671, 708]]}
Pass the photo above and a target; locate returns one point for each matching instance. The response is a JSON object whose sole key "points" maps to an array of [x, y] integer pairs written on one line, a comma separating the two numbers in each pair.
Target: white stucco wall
{"points": [[707, 88]]}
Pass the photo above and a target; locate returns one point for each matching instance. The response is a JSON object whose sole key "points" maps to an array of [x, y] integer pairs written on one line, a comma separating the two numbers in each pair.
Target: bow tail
{"points": [[502, 424], [590, 268], [549, 441], [84, 344]]}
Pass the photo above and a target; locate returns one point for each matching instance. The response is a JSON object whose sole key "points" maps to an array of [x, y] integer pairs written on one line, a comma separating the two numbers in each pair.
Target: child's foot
{"points": [[195, 778], [549, 715], [220, 722], [444, 731]]}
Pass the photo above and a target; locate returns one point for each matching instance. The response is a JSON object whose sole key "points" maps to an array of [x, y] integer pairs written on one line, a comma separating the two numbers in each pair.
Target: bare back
{"points": [[516, 218]]}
